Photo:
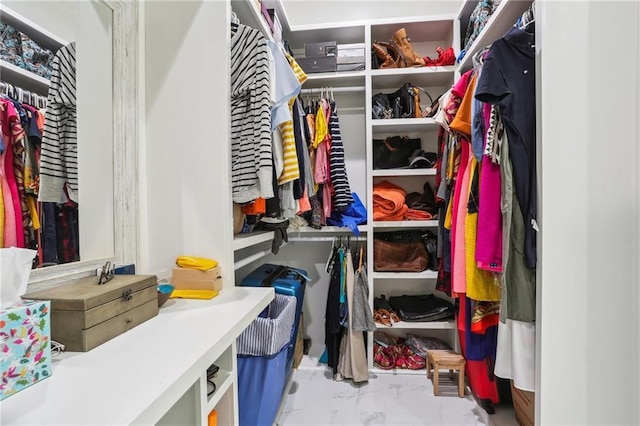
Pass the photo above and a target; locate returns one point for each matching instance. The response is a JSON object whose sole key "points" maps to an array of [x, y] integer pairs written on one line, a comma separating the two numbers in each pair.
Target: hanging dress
{"points": [[353, 359]]}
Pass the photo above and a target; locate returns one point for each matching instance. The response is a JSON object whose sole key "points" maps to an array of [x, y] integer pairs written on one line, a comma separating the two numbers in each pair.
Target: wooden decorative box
{"points": [[85, 315]]}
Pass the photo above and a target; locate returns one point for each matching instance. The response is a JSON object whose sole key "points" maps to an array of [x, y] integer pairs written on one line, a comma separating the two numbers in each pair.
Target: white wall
{"points": [[314, 12], [589, 209], [187, 151]]}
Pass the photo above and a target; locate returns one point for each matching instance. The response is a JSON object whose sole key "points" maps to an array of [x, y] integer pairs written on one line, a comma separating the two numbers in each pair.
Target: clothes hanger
{"points": [[235, 22]]}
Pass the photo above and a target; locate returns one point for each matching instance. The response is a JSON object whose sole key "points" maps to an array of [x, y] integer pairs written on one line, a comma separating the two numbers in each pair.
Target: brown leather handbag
{"points": [[399, 251], [388, 55]]}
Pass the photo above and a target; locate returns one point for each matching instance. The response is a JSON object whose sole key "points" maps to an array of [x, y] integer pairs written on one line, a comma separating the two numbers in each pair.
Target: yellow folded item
{"points": [[193, 294], [195, 262]]}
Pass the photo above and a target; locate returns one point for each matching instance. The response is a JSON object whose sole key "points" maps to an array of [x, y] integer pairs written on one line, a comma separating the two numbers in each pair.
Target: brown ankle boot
{"points": [[388, 55], [410, 57]]}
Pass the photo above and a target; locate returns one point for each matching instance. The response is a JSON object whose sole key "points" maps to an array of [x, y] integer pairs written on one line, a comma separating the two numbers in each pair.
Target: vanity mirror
{"points": [[105, 33]]}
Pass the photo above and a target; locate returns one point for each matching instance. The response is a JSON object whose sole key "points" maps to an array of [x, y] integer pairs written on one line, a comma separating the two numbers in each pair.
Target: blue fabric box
{"points": [[25, 345]]}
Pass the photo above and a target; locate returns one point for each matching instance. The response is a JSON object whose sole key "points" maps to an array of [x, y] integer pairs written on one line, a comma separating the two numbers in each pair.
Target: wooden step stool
{"points": [[446, 359]]}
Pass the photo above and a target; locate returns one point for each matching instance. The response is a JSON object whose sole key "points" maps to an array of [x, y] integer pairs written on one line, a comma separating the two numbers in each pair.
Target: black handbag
{"points": [[421, 308], [403, 102], [394, 152], [381, 107]]}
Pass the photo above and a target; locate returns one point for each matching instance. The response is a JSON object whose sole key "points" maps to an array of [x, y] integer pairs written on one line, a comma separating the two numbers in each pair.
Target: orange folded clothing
{"points": [[388, 202], [413, 214]]}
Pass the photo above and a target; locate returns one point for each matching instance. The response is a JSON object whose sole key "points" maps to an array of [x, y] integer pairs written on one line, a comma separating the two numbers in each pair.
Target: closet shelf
{"points": [[403, 172], [324, 231], [241, 241], [22, 78], [424, 275], [250, 15], [422, 76], [335, 79], [223, 382], [503, 18], [406, 224], [40, 35], [403, 125], [431, 325]]}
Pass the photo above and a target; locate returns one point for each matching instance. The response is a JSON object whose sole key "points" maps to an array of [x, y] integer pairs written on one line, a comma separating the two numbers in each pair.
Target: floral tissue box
{"points": [[25, 345]]}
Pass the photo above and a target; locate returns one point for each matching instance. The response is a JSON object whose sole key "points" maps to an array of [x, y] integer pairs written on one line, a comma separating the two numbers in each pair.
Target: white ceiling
{"points": [[301, 13]]}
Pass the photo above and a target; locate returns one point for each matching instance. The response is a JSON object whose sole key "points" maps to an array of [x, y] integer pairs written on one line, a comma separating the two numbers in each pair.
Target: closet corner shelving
{"points": [[426, 34], [505, 15]]}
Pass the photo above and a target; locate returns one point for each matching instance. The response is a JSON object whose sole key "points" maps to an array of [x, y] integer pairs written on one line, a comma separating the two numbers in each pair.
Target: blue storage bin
{"points": [[263, 349]]}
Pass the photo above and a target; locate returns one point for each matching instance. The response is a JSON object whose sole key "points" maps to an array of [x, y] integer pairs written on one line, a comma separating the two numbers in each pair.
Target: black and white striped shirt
{"points": [[342, 197], [251, 154], [59, 153]]}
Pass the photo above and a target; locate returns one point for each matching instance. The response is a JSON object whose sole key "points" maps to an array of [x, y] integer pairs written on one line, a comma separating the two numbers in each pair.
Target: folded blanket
{"points": [[413, 214], [388, 202]]}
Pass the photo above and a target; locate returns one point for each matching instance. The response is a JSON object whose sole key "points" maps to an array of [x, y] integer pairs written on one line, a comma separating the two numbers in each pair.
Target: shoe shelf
{"points": [[404, 125], [403, 172], [406, 224], [424, 275], [420, 76], [427, 325]]}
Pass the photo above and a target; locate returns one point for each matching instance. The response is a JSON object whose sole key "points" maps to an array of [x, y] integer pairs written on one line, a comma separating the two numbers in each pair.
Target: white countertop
{"points": [[139, 375]]}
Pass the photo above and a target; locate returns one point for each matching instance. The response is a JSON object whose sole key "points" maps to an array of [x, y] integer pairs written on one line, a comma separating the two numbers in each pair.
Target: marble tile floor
{"points": [[386, 399]]}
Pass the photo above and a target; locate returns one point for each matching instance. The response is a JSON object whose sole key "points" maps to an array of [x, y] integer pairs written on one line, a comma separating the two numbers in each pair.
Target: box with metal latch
{"points": [[85, 314]]}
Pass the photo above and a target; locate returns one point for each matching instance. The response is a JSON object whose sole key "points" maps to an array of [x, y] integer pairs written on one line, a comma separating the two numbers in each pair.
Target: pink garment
{"points": [[321, 174], [10, 115], [461, 197], [9, 230], [489, 238]]}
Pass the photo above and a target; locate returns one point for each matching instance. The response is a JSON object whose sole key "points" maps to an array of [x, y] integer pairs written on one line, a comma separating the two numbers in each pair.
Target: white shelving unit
{"points": [[426, 34], [153, 373]]}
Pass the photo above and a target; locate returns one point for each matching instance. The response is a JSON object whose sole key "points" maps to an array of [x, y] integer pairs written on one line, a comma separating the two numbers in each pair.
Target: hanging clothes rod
{"points": [[322, 239], [23, 96], [348, 89]]}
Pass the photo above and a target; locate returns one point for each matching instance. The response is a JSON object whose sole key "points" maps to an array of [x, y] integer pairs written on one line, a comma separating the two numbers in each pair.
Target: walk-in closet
{"points": [[310, 213]]}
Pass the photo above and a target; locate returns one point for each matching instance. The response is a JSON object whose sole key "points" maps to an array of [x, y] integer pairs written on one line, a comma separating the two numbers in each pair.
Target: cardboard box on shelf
{"points": [[523, 405], [195, 279]]}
